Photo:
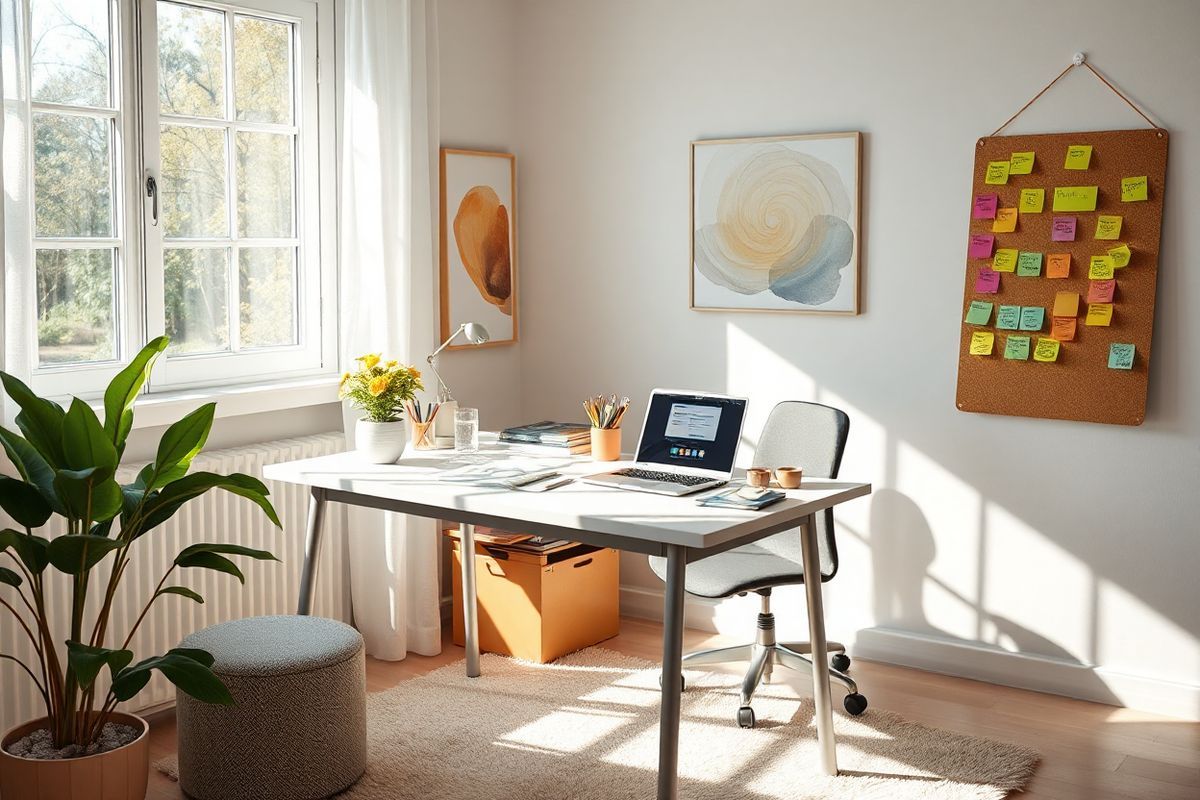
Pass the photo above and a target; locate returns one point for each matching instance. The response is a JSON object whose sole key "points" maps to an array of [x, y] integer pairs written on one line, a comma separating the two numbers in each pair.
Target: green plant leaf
{"points": [[190, 674], [23, 502], [33, 467], [162, 506], [79, 553], [225, 549], [124, 389], [87, 661], [32, 550], [178, 446], [90, 493], [182, 592], [195, 654], [9, 577], [40, 420], [211, 561], [84, 442]]}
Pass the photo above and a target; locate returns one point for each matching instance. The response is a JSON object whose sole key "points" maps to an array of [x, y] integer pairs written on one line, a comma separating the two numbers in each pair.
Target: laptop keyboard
{"points": [[666, 477]]}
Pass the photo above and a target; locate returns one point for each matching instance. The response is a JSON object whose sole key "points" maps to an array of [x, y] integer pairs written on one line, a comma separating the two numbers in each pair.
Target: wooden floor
{"points": [[1089, 751]]}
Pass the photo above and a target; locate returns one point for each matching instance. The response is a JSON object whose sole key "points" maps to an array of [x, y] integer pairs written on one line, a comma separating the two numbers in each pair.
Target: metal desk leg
{"points": [[672, 675], [312, 551], [820, 656], [470, 609]]}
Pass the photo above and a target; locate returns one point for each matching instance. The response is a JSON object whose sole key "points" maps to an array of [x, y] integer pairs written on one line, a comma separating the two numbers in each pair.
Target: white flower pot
{"points": [[380, 442]]}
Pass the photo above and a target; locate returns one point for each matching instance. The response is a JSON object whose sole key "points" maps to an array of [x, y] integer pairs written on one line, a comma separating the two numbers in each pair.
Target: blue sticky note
{"points": [[1008, 318], [1032, 318], [1120, 356]]}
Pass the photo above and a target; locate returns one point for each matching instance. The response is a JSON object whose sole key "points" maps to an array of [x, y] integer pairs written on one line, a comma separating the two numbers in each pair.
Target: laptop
{"points": [[688, 444]]}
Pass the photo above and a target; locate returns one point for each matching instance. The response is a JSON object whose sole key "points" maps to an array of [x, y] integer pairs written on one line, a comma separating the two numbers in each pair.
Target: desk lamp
{"points": [[443, 423]]}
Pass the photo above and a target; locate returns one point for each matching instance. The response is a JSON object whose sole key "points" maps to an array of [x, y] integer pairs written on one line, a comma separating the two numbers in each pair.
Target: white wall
{"points": [[1074, 544]]}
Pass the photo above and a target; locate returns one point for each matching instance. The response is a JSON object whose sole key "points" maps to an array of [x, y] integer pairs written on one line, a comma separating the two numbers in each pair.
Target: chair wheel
{"points": [[855, 704], [840, 662], [745, 717], [682, 682]]}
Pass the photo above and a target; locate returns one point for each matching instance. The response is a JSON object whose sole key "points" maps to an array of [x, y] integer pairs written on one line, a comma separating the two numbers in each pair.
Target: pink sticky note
{"points": [[1063, 229], [1099, 291], [988, 281], [985, 206], [981, 245]]}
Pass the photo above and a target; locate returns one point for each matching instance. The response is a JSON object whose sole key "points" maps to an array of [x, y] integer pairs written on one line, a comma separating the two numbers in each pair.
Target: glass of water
{"points": [[466, 430]]}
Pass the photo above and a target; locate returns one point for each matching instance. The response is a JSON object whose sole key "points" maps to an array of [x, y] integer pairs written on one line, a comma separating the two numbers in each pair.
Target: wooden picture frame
{"points": [[478, 244], [808, 262]]}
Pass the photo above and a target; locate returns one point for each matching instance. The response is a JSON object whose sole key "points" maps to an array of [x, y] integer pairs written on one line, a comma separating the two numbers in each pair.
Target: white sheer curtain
{"points": [[388, 192]]}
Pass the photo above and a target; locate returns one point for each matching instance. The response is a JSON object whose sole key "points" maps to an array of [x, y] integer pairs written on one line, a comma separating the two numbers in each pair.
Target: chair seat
{"points": [[773, 561]]}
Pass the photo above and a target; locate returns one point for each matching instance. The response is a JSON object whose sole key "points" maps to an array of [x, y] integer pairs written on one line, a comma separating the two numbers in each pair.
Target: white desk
{"points": [[674, 527]]}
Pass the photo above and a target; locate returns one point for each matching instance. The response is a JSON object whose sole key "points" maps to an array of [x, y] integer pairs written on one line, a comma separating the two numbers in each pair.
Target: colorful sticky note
{"points": [[1005, 259], [981, 343], [1032, 318], [1020, 163], [1120, 355], [981, 245], [1101, 291], [1078, 156], [1062, 229], [1108, 227], [997, 172], [1046, 350], [985, 206], [1063, 329], [1121, 256], [1031, 201], [1075, 198], [1029, 265], [987, 281], [1101, 268], [1016, 348], [1006, 220], [1066, 304], [1099, 314], [1008, 318], [979, 313], [1133, 190], [1058, 265]]}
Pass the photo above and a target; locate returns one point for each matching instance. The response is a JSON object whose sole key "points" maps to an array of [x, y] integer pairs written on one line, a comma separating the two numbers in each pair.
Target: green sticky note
{"points": [[1017, 348], [1120, 356], [979, 313], [1008, 318], [1029, 264], [1032, 318]]}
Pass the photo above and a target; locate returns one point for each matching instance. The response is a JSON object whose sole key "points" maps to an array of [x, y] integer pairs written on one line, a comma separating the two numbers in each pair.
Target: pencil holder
{"points": [[606, 444], [422, 435]]}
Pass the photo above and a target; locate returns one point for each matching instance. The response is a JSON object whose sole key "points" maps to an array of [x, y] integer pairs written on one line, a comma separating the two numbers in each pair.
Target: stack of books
{"points": [[550, 438]]}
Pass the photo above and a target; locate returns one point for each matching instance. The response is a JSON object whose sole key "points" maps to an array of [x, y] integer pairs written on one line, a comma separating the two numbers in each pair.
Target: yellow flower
{"points": [[345, 377], [414, 372], [391, 363], [369, 360], [378, 385]]}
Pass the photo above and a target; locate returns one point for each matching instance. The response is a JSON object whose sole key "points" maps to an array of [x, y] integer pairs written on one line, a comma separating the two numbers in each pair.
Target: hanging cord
{"points": [[1079, 61]]}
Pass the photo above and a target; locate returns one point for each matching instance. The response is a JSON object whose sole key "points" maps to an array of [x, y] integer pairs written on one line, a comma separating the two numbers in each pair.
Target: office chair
{"points": [[813, 437]]}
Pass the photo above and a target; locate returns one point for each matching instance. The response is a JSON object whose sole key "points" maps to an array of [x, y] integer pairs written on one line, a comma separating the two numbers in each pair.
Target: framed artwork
{"points": [[775, 223], [479, 243]]}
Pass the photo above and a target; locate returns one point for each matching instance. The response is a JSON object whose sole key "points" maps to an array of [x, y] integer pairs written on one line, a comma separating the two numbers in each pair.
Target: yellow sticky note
{"points": [[1108, 227], [1005, 259], [1120, 256], [1066, 304], [1046, 350], [1075, 198], [1133, 189], [1101, 268], [1006, 220], [1099, 314], [981, 343], [1032, 201], [1078, 156], [1020, 163], [997, 172]]}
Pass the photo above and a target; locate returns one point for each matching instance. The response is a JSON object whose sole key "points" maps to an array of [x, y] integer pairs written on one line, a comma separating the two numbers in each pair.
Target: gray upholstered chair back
{"points": [[813, 437]]}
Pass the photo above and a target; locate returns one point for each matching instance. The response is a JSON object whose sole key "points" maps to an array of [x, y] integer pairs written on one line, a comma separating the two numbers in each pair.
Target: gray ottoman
{"points": [[299, 728]]}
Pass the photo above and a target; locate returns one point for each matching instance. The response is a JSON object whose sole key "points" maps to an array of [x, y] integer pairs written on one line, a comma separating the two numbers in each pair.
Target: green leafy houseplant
{"points": [[68, 461]]}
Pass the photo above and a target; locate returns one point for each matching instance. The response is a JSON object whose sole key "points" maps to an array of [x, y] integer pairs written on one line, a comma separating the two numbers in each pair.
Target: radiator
{"points": [[218, 516]]}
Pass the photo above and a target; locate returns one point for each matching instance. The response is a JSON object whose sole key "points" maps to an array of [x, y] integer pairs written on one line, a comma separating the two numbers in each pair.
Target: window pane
{"points": [[74, 306], [196, 289], [268, 296], [191, 61], [264, 183], [262, 70], [69, 47], [193, 182], [71, 175]]}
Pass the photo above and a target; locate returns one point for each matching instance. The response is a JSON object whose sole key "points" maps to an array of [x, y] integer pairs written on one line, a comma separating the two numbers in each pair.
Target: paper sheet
{"points": [[1021, 163], [1005, 259], [1006, 220], [1062, 229], [1032, 201], [1099, 314], [1058, 265], [1066, 304], [1121, 256], [1134, 189], [1029, 265], [1046, 350], [985, 206], [1032, 318], [1108, 227], [1079, 156], [1016, 348], [1063, 329], [982, 342], [1101, 268], [981, 245], [1120, 355], [1075, 198], [979, 313], [1101, 291], [987, 281], [1008, 318], [997, 173]]}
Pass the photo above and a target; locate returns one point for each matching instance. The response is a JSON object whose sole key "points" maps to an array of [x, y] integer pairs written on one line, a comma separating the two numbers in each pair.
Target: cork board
{"points": [[1079, 385]]}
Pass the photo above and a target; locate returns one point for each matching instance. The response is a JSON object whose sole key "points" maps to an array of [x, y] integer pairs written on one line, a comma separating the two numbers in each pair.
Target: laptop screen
{"points": [[699, 431]]}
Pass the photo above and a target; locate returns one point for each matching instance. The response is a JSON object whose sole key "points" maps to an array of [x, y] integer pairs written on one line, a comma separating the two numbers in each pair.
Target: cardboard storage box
{"points": [[540, 606]]}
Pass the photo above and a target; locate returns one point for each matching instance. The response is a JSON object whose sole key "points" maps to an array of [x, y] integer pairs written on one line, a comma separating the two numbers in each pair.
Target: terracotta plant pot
{"points": [[119, 774]]}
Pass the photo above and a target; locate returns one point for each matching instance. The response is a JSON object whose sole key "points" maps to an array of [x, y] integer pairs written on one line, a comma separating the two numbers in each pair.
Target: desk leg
{"points": [[312, 551], [470, 607], [820, 657], [672, 675]]}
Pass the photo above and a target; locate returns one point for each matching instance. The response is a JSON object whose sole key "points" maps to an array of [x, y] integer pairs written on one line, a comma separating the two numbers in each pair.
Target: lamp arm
{"points": [[443, 391], [446, 343]]}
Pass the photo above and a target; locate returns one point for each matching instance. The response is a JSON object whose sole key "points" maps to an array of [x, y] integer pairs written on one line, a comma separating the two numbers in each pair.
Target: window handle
{"points": [[152, 192]]}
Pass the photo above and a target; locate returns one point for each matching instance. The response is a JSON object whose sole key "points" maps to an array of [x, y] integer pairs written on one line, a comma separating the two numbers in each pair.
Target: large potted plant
{"points": [[380, 389], [68, 462]]}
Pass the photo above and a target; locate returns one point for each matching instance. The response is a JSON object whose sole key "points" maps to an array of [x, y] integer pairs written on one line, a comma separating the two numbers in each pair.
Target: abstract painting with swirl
{"points": [[775, 223]]}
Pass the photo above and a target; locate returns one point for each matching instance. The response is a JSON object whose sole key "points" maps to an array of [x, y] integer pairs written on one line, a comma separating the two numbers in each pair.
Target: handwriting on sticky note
{"points": [[1120, 355], [1101, 291], [1006, 220], [1063, 329], [1121, 256], [1032, 318], [1066, 304], [1101, 268], [1029, 265], [1134, 189], [1008, 318], [981, 245], [1005, 259], [1032, 201], [1021, 163], [985, 206], [1062, 229], [997, 172], [1079, 156], [979, 313], [1099, 314], [1058, 265], [1046, 350], [987, 281], [1108, 227], [981, 343], [1016, 348], [1075, 198]]}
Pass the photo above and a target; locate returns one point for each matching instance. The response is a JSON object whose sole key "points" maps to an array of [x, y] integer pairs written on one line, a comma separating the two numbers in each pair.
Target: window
{"points": [[181, 178]]}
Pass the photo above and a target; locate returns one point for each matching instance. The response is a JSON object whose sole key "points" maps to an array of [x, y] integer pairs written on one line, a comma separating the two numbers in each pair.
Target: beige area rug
{"points": [[586, 728]]}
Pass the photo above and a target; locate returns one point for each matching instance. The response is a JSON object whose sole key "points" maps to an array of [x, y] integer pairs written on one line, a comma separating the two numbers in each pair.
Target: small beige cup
{"points": [[789, 477], [606, 444], [758, 476]]}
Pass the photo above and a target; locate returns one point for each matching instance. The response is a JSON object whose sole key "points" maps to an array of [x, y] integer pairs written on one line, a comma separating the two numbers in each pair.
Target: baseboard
{"points": [[642, 603]]}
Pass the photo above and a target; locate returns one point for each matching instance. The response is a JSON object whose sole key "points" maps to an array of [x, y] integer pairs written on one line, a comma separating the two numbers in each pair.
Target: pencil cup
{"points": [[422, 435], [606, 444]]}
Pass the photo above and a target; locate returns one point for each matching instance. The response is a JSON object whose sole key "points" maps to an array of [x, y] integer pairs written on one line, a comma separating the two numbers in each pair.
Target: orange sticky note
{"points": [[1005, 259], [1108, 227], [1062, 329], [1099, 314], [1058, 265], [1032, 201], [1120, 256], [1006, 220], [1066, 304]]}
